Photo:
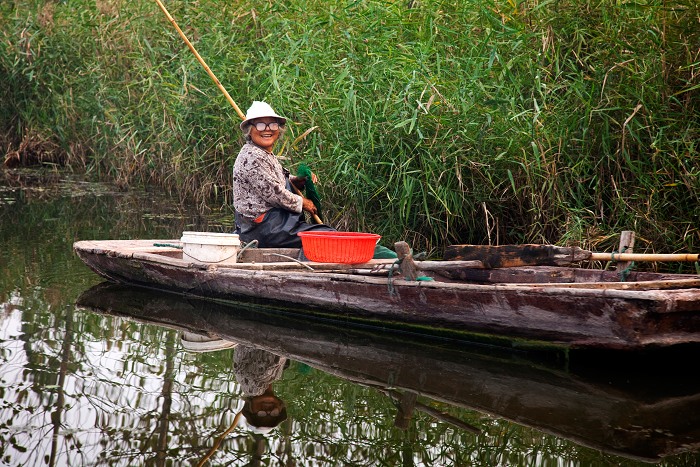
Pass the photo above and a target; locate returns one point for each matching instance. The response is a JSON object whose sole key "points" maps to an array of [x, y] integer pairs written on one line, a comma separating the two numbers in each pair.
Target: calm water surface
{"points": [[98, 374]]}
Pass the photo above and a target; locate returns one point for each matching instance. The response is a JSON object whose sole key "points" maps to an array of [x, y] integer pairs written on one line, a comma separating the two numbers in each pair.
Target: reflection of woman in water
{"points": [[255, 371]]}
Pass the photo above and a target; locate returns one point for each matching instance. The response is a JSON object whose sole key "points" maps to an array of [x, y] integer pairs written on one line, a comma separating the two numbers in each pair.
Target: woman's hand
{"points": [[308, 206], [300, 182]]}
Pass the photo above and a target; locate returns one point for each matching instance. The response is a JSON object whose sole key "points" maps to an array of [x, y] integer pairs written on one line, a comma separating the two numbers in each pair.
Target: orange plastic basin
{"points": [[339, 247]]}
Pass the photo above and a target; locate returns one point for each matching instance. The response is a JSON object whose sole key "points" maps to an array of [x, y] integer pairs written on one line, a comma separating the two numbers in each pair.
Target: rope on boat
{"points": [[293, 259], [624, 274], [390, 278], [254, 244], [395, 265], [168, 245], [208, 262], [250, 244]]}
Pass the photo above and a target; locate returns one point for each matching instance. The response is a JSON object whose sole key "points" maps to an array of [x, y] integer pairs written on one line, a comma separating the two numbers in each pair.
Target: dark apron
{"points": [[278, 229]]}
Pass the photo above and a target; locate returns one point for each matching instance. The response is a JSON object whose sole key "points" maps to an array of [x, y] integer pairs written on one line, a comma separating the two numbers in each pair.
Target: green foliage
{"points": [[487, 121]]}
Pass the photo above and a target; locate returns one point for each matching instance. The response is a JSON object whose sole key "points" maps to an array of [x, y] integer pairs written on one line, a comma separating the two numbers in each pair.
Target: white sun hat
{"points": [[259, 109]]}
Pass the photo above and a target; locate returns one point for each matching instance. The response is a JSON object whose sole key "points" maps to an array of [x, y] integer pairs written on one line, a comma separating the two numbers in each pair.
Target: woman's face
{"points": [[265, 138]]}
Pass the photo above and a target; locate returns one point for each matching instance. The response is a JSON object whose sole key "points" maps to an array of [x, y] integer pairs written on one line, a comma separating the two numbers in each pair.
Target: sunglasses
{"points": [[261, 126], [271, 413]]}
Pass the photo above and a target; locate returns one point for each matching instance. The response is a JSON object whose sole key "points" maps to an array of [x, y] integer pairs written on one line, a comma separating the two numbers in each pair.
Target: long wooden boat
{"points": [[528, 305], [641, 408]]}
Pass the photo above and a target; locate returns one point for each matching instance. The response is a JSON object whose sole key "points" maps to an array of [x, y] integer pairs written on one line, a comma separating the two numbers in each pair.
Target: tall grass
{"points": [[483, 121]]}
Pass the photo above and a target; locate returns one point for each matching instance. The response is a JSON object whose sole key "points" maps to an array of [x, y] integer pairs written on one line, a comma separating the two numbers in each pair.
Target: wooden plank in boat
{"points": [[645, 285], [517, 255]]}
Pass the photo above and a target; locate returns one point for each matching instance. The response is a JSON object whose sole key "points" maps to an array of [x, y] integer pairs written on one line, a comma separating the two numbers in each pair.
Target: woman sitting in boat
{"points": [[266, 208]]}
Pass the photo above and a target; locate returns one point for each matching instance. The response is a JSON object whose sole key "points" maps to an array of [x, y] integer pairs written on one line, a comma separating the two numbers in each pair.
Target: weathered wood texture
{"points": [[517, 255], [603, 314], [407, 265]]}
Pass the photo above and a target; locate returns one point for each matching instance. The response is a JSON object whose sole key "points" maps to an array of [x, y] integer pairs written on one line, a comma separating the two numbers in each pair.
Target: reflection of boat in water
{"points": [[643, 414]]}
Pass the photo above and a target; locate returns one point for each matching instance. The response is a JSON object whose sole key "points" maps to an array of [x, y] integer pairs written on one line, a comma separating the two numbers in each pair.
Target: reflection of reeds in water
{"points": [[541, 122]]}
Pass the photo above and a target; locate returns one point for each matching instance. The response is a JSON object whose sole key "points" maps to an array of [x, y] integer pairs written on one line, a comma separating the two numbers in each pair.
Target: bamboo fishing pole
{"points": [[201, 60], [215, 79], [639, 257]]}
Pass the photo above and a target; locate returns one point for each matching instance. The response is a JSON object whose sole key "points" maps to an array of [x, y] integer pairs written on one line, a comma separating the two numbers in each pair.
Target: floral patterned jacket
{"points": [[259, 184]]}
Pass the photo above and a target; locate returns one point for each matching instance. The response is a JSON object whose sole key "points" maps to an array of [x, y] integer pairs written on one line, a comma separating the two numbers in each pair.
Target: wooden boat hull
{"points": [[662, 312]]}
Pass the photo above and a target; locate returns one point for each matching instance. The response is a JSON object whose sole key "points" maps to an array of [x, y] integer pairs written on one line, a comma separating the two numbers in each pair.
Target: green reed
{"points": [[486, 121]]}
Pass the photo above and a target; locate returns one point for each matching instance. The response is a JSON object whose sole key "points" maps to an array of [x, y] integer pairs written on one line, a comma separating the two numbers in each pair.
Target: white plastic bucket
{"points": [[210, 247]]}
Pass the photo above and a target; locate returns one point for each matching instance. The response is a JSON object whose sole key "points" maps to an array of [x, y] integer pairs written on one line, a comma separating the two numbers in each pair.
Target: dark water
{"points": [[98, 374]]}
